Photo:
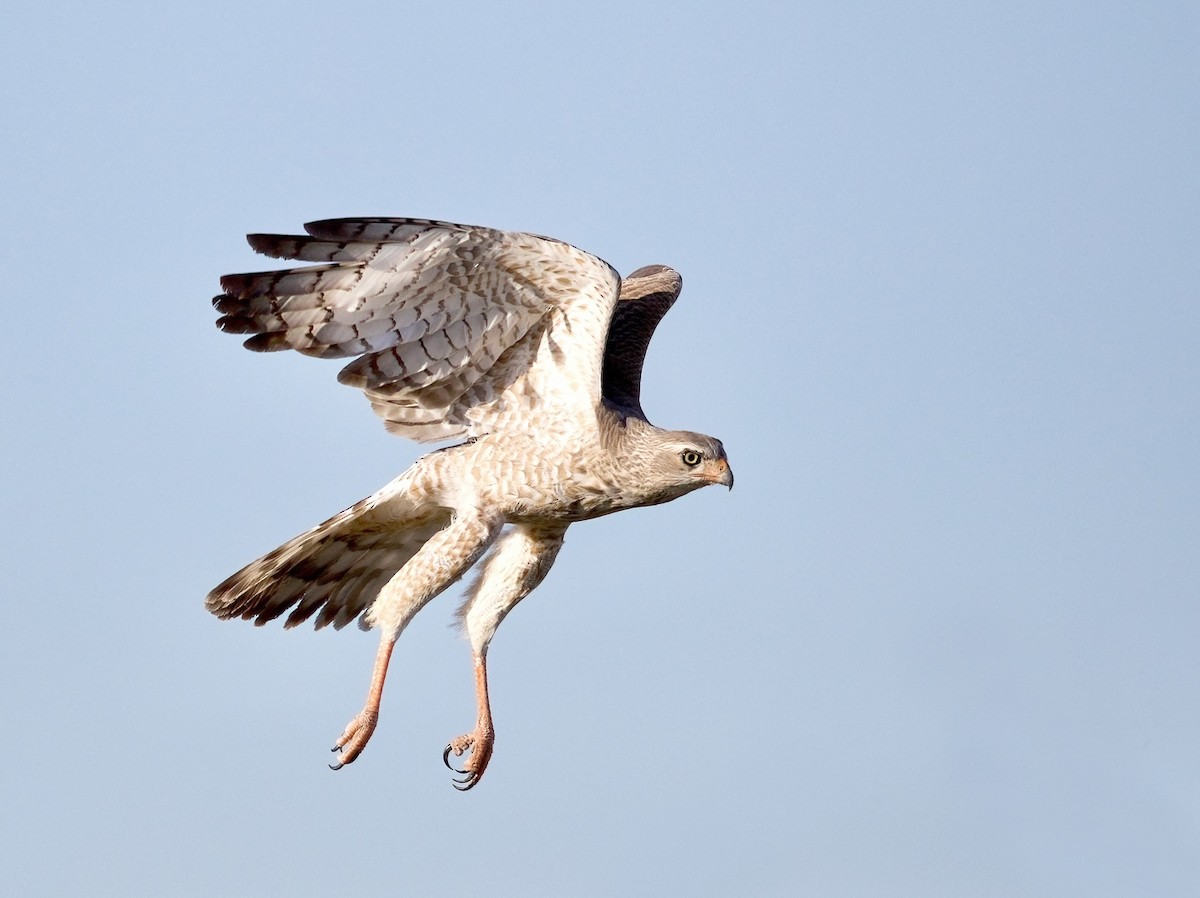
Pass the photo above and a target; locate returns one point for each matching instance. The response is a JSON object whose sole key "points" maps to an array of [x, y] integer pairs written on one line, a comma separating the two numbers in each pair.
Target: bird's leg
{"points": [[480, 740], [517, 564], [358, 732], [443, 558]]}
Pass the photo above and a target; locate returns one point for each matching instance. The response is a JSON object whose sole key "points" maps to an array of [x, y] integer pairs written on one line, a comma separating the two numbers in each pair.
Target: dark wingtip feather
{"points": [[277, 246], [371, 227], [238, 324], [215, 603], [272, 342], [646, 295], [336, 228], [235, 285], [353, 375]]}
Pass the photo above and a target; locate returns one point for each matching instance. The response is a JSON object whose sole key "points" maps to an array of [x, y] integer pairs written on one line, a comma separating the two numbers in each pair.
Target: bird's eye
{"points": [[690, 457]]}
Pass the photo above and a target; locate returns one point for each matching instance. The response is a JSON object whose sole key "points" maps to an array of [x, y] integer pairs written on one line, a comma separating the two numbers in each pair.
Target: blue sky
{"points": [[940, 304]]}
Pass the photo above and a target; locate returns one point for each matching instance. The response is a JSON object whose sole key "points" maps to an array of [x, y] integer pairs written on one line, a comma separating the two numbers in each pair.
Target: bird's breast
{"points": [[556, 492]]}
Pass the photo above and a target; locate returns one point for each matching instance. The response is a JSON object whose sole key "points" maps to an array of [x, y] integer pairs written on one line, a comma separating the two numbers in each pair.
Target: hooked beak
{"points": [[719, 472]]}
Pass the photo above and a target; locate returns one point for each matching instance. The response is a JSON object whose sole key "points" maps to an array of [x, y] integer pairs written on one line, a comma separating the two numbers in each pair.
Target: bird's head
{"points": [[675, 462]]}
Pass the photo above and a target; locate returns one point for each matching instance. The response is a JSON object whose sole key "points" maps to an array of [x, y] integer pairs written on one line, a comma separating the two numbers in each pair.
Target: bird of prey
{"points": [[527, 348]]}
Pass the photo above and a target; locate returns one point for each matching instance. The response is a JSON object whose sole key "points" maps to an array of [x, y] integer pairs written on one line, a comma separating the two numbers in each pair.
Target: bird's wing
{"points": [[646, 295], [337, 568], [454, 330]]}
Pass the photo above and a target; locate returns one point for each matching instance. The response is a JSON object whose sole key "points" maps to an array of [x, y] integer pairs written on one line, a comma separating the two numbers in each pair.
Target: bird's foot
{"points": [[355, 737], [479, 743]]}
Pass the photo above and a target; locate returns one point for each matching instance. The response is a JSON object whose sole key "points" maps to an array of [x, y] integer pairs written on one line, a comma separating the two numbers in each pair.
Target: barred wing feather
{"points": [[452, 329]]}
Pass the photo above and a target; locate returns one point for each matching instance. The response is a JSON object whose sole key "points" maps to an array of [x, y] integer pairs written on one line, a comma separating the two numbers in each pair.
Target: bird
{"points": [[527, 349]]}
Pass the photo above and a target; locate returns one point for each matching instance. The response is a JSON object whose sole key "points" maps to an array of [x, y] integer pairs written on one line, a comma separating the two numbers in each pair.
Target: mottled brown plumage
{"points": [[530, 348]]}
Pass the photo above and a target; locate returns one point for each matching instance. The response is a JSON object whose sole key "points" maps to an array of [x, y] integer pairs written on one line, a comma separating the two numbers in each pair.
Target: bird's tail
{"points": [[337, 568]]}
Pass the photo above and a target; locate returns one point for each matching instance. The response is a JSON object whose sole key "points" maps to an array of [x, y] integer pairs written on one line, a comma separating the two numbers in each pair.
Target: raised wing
{"points": [[454, 330], [646, 295]]}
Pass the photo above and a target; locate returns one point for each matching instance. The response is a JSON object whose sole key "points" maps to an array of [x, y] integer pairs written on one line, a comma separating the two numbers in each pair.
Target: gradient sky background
{"points": [[941, 271]]}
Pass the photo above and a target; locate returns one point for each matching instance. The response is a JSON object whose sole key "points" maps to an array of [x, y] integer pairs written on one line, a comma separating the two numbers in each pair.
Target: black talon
{"points": [[462, 786], [337, 766], [446, 760]]}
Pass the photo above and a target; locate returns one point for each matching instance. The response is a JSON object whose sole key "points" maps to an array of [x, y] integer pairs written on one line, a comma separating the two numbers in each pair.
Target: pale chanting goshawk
{"points": [[525, 346]]}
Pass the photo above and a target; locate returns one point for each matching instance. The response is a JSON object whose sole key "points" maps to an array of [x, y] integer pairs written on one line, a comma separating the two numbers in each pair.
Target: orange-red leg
{"points": [[358, 732], [481, 740]]}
